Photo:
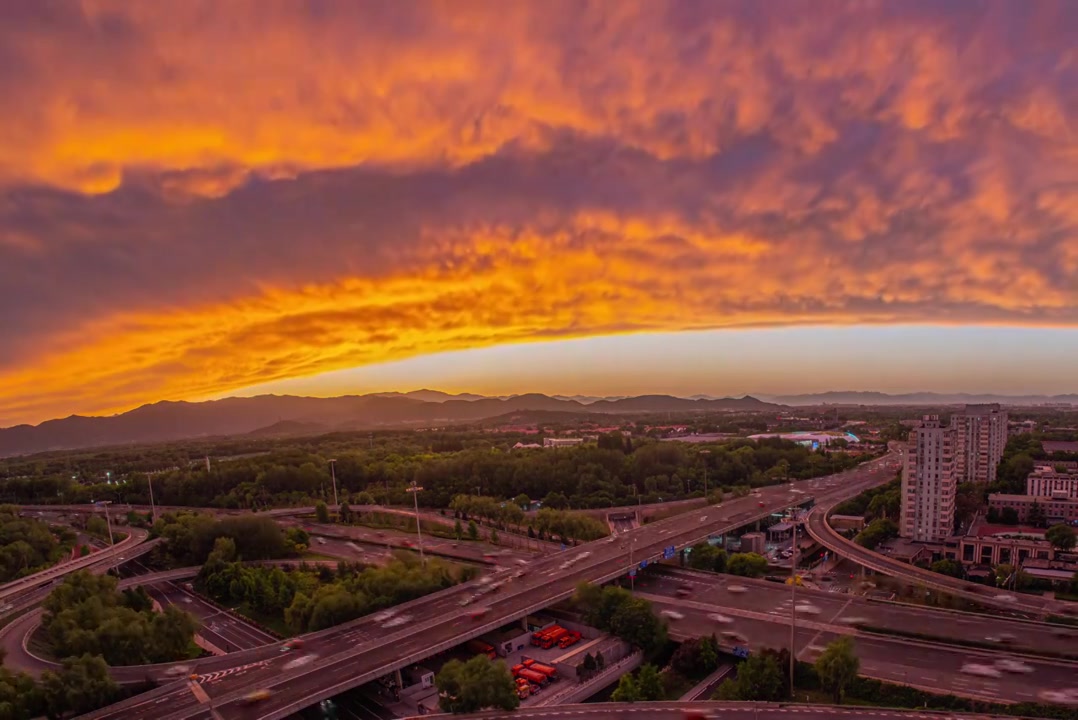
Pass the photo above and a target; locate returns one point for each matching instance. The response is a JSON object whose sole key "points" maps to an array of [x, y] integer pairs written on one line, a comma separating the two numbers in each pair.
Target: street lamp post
{"points": [[793, 601], [415, 490], [705, 452], [333, 473], [153, 508], [632, 567]]}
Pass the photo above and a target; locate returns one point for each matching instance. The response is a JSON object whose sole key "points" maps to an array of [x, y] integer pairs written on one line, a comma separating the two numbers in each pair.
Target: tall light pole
{"points": [[793, 600], [108, 521], [153, 508], [705, 453], [333, 473], [632, 567], [415, 490]]}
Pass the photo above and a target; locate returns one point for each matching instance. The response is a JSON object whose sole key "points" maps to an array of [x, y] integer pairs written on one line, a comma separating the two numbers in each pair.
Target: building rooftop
{"points": [[1014, 531], [1060, 446]]}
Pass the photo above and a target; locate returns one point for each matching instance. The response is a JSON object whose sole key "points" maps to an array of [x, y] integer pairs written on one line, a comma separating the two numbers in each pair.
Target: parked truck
{"points": [[553, 638], [571, 639], [532, 676], [481, 647], [549, 670], [540, 636]]}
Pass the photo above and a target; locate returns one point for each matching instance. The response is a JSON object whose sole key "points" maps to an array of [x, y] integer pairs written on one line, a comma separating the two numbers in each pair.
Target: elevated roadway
{"points": [[724, 710], [822, 532], [125, 549], [773, 599], [930, 666], [355, 653]]}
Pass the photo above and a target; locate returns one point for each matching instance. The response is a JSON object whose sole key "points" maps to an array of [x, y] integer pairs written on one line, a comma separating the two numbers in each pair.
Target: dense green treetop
{"points": [[28, 545]]}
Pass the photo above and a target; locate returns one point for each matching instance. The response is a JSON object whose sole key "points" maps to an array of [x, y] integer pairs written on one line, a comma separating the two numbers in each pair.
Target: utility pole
{"points": [[153, 508], [705, 453], [333, 472], [415, 490], [632, 567], [793, 602]]}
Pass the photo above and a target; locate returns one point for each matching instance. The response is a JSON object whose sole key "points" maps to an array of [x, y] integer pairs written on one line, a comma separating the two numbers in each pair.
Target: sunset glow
{"points": [[197, 198]]}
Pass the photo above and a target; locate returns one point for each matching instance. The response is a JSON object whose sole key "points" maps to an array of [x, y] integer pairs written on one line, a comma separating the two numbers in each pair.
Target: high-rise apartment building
{"points": [[980, 437], [928, 482]]}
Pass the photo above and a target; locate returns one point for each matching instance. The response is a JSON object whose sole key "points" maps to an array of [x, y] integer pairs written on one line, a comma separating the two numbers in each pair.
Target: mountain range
{"points": [[850, 397], [278, 415]]}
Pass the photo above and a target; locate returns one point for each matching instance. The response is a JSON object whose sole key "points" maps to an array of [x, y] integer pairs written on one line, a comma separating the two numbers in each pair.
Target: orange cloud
{"points": [[194, 200]]}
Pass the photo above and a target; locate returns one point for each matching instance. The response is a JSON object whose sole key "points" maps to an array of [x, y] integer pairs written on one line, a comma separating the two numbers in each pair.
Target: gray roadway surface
{"points": [[931, 667], [726, 711], [222, 629], [360, 651]]}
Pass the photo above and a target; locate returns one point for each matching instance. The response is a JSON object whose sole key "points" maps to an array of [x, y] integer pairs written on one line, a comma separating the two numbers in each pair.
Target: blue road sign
{"points": [[643, 564], [669, 552], [632, 572], [741, 652]]}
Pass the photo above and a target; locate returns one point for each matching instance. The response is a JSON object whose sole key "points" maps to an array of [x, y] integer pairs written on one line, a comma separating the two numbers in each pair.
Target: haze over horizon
{"points": [[604, 199]]}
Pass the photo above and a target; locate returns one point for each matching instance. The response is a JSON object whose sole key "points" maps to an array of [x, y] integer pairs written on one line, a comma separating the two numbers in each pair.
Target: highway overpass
{"points": [[822, 532], [355, 653]]}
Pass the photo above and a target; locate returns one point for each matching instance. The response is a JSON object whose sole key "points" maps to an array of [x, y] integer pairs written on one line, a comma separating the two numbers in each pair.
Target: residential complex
{"points": [[980, 437], [1059, 480], [1051, 488], [928, 482]]}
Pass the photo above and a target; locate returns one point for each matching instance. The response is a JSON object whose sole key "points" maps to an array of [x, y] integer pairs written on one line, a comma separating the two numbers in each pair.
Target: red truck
{"points": [[553, 638], [549, 670], [533, 676], [540, 636], [571, 639], [480, 647]]}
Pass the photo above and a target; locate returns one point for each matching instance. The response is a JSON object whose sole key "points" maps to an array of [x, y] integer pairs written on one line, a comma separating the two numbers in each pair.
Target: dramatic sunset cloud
{"points": [[198, 197]]}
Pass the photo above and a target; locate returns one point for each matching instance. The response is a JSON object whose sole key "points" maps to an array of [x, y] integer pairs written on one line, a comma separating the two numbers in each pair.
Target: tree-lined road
{"points": [[358, 652]]}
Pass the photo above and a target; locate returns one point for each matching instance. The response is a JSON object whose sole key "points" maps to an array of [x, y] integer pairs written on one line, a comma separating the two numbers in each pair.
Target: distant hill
{"points": [[918, 398], [278, 415]]}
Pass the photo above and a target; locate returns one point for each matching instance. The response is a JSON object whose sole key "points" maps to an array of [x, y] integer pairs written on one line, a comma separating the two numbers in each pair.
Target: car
{"points": [[301, 661], [521, 561], [736, 589], [735, 637], [257, 696], [853, 621], [479, 612], [807, 609], [1013, 666], [1061, 697], [294, 644], [465, 601], [384, 615], [672, 614], [980, 670], [178, 671], [722, 619], [1006, 598], [520, 573], [395, 621], [761, 503], [703, 518]]}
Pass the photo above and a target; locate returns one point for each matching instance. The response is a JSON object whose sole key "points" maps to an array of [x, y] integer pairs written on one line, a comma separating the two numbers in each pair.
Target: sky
{"points": [[606, 197]]}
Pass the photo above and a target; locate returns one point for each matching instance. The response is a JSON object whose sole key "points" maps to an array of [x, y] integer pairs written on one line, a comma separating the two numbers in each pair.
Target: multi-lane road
{"points": [[773, 599], [726, 711], [358, 652], [757, 614]]}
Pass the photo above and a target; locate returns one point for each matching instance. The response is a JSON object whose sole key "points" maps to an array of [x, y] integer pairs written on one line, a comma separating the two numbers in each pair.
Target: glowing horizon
{"points": [[189, 209]]}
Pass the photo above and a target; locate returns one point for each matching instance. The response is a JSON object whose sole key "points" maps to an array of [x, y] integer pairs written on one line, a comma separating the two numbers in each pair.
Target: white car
{"points": [[300, 661], [394, 622], [384, 615], [807, 609], [178, 671], [735, 637], [1006, 598], [980, 670], [853, 621], [672, 614], [722, 619], [1013, 666], [736, 589], [1062, 697]]}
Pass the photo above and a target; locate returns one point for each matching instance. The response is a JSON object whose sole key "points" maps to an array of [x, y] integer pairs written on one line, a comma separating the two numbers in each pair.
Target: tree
{"points": [[1036, 516], [84, 684], [648, 684], [759, 678], [522, 501], [837, 667], [473, 530], [626, 691], [345, 513], [1008, 516], [493, 536], [876, 532], [1061, 536], [321, 512], [475, 685], [458, 530], [635, 623], [588, 665], [948, 567], [705, 556], [747, 565], [600, 661]]}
